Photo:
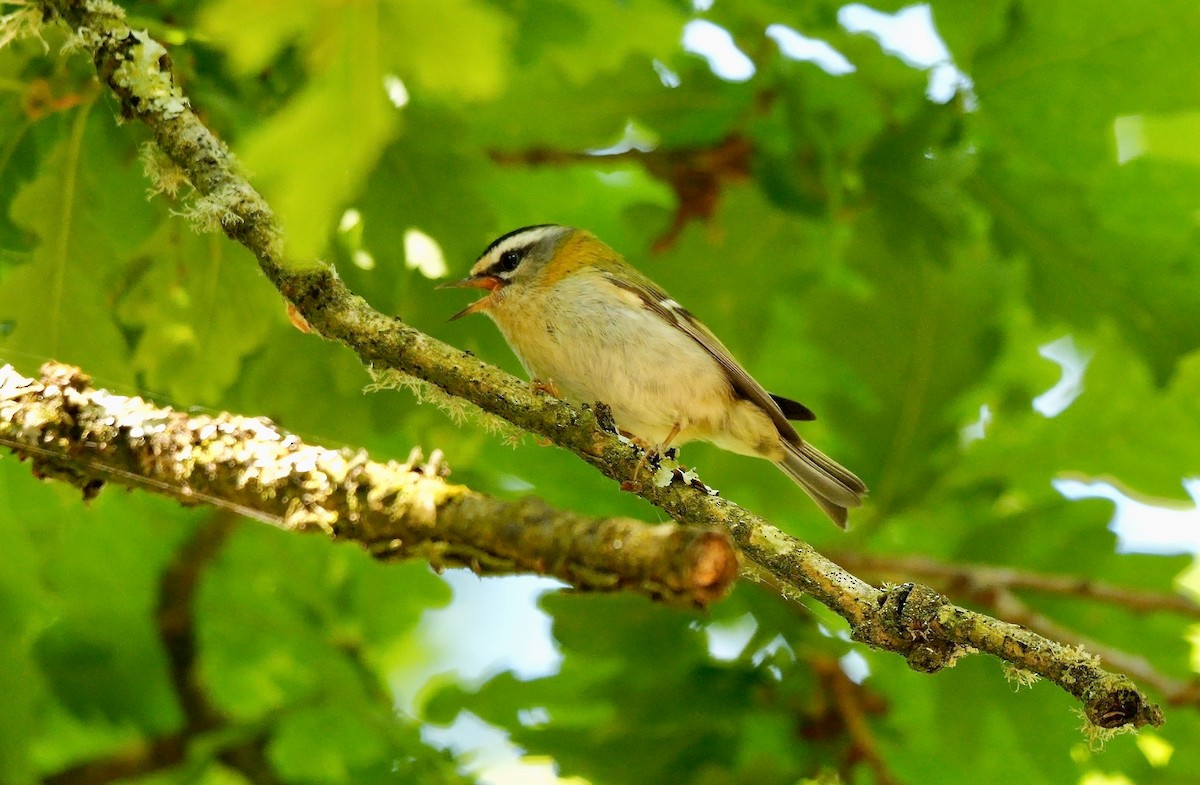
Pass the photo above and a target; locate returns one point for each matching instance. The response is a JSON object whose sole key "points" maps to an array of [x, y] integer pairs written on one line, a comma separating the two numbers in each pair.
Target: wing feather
{"points": [[660, 303]]}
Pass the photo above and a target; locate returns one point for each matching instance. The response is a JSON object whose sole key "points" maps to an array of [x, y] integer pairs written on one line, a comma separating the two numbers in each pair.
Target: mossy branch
{"points": [[74, 432], [911, 620]]}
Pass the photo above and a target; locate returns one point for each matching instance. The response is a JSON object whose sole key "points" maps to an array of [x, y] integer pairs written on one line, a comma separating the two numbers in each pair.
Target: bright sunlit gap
{"points": [[533, 717], [350, 228], [727, 639], [1074, 362], [665, 75], [798, 46], [422, 253], [855, 666], [974, 431], [490, 756], [910, 35], [633, 137], [1131, 141], [1155, 748], [492, 626], [397, 93], [716, 45], [774, 649], [1141, 527], [1164, 137]]}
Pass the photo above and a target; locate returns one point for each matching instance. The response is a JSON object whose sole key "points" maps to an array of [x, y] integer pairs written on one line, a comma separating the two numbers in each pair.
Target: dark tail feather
{"points": [[834, 488]]}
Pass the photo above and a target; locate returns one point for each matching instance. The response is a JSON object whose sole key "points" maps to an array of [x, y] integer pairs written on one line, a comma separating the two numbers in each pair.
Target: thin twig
{"points": [[1177, 692], [993, 588], [848, 702], [954, 577]]}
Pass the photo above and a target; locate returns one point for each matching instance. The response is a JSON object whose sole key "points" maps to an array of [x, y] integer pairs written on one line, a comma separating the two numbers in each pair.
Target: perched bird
{"points": [[590, 327]]}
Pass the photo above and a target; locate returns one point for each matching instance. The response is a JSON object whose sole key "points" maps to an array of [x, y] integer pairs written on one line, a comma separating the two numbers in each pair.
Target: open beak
{"points": [[489, 282]]}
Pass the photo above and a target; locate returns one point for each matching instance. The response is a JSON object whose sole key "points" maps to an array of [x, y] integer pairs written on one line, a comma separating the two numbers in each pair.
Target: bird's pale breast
{"points": [[595, 342]]}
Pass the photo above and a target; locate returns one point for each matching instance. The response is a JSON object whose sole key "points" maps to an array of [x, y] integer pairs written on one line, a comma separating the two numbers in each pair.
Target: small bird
{"points": [[589, 327]]}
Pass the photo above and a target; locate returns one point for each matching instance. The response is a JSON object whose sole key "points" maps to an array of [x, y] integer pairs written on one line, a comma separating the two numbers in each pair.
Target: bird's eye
{"points": [[508, 262]]}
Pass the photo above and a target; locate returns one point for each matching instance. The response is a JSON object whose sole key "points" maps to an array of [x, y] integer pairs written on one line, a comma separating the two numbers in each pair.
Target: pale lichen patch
{"points": [[1097, 736], [25, 22], [165, 176], [217, 210], [141, 72], [1020, 677]]}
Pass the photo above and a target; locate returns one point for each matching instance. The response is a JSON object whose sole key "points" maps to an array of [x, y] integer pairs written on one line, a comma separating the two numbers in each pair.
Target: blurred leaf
{"points": [[342, 118], [455, 49], [583, 40], [1066, 72], [999, 736], [25, 610], [1053, 94], [917, 341], [1121, 426], [201, 306], [284, 620], [56, 302], [87, 648], [324, 745]]}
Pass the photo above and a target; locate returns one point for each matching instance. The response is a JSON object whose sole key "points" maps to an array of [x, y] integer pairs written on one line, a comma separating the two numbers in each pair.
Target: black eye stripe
{"points": [[509, 261]]}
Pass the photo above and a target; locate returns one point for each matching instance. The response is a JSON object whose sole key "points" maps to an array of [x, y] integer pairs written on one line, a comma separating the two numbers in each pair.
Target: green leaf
{"points": [[992, 723], [284, 620], [583, 40], [25, 610], [1056, 94], [1066, 72], [200, 307], [341, 117], [88, 211], [455, 49], [95, 671], [1121, 426], [326, 744]]}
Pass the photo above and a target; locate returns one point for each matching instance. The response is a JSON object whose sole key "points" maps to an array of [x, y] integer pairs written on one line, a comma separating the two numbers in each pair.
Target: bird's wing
{"points": [[660, 303]]}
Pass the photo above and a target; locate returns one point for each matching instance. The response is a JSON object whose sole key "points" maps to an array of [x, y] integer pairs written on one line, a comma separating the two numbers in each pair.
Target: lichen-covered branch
{"points": [[1177, 692], [86, 436], [916, 622], [994, 589]]}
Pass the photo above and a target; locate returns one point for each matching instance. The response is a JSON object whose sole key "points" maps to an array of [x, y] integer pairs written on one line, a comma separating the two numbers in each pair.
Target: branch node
{"points": [[1111, 703], [604, 417], [910, 611]]}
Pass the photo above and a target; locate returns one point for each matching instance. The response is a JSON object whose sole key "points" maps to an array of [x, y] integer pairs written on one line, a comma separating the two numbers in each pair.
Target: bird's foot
{"points": [[652, 457]]}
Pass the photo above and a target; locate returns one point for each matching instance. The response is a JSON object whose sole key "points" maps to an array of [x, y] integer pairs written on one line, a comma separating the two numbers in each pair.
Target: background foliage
{"points": [[893, 260]]}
